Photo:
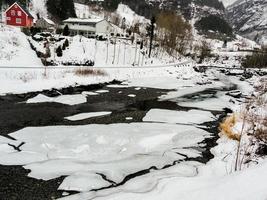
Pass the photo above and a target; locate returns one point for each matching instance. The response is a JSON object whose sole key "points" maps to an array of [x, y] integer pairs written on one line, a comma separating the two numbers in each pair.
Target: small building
{"points": [[17, 15], [88, 27], [45, 24]]}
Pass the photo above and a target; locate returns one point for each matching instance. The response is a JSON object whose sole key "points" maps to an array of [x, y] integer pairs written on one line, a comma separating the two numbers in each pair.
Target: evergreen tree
{"points": [[63, 47], [66, 43], [66, 31], [59, 51]]}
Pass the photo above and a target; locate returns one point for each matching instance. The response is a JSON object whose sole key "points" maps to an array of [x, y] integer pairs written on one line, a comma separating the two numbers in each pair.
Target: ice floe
{"points": [[176, 117], [83, 116], [63, 99]]}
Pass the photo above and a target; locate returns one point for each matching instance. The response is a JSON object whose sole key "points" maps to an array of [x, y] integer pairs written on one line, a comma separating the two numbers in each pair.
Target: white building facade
{"points": [[88, 27]]}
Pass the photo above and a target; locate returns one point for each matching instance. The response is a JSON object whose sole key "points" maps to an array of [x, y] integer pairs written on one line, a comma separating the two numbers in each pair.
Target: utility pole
{"points": [[114, 55], [124, 55], [140, 49], [135, 52], [152, 28], [119, 51], [107, 50], [95, 50]]}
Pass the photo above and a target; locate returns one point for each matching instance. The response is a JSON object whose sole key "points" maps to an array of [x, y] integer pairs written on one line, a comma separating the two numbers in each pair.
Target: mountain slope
{"points": [[191, 10], [147, 8], [249, 18]]}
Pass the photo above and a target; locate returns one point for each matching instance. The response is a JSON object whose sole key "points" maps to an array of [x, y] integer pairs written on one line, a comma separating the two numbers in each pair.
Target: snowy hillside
{"points": [[102, 53], [15, 49], [123, 11], [131, 17], [38, 7]]}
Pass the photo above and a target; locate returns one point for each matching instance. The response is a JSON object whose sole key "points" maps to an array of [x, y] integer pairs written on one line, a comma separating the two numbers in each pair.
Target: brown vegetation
{"points": [[89, 72], [253, 133], [256, 60], [174, 33], [227, 128]]}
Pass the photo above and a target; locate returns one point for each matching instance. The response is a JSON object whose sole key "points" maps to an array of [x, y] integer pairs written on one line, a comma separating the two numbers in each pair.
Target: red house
{"points": [[17, 15]]}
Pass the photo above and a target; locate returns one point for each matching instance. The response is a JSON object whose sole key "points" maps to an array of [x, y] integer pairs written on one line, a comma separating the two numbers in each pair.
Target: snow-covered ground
{"points": [[103, 53], [15, 49], [16, 52]]}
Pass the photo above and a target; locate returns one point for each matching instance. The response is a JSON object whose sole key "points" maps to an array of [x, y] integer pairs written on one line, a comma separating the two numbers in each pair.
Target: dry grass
{"points": [[89, 72], [227, 128], [27, 77]]}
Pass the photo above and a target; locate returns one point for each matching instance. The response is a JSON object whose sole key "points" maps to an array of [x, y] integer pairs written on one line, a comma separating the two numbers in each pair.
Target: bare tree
{"points": [[173, 32]]}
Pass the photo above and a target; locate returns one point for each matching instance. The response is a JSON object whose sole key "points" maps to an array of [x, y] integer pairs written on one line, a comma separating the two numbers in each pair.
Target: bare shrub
{"points": [[174, 33], [89, 72], [254, 128], [256, 60]]}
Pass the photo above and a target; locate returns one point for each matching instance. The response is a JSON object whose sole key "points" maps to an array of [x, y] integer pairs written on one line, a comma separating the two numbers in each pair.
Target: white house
{"points": [[45, 23], [88, 27]]}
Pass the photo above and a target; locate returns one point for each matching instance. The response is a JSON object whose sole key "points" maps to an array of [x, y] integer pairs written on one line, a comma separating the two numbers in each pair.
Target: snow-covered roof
{"points": [[49, 21], [83, 20]]}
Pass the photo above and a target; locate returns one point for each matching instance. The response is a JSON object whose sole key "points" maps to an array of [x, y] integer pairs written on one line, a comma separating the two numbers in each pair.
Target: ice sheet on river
{"points": [[64, 99], [82, 116], [178, 117], [115, 150]]}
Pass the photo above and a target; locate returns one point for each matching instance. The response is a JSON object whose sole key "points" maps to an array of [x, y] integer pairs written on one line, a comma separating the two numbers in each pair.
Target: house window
{"points": [[8, 18], [13, 12], [19, 13], [18, 21]]}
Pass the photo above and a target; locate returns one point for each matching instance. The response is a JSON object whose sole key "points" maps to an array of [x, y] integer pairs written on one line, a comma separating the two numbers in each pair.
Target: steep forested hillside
{"points": [[189, 9], [61, 9], [9, 2], [148, 8]]}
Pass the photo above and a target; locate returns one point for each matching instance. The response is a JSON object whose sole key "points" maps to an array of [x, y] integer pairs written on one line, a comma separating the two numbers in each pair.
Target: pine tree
{"points": [[59, 51], [63, 47], [66, 31], [66, 43]]}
